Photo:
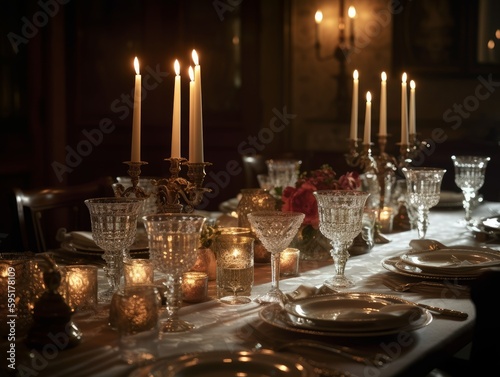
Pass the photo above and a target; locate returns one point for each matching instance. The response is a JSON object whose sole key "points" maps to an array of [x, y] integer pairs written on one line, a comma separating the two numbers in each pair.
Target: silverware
{"points": [[444, 311], [403, 287]]}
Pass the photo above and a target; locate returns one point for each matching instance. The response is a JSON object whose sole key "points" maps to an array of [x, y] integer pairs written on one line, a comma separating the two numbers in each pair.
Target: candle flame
{"points": [[136, 66], [191, 73], [491, 44], [351, 12], [355, 74], [318, 17], [412, 84], [383, 76], [195, 57], [404, 78], [368, 97], [177, 67]]}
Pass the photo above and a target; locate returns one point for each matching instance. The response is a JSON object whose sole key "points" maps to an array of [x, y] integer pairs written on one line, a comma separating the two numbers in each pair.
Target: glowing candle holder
{"points": [[138, 271], [386, 218], [289, 262], [80, 287], [194, 286]]}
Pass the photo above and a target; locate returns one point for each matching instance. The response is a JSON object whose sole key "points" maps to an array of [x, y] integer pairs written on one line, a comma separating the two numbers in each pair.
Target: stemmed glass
{"points": [[275, 229], [423, 187], [173, 246], [469, 177], [114, 226], [340, 220]]}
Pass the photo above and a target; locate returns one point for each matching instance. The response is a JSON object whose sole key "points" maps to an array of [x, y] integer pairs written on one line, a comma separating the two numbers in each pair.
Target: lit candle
{"points": [[386, 218], [383, 105], [138, 271], [368, 119], [318, 17], [176, 117], [81, 286], [194, 286], [136, 125], [351, 12], [354, 108], [413, 128], [404, 112], [191, 112], [289, 261], [198, 111]]}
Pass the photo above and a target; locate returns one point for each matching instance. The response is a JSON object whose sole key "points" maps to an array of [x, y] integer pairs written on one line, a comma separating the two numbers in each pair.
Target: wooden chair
{"points": [[42, 212]]}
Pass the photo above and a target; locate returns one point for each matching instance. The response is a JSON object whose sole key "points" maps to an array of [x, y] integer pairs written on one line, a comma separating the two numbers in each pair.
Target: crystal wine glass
{"points": [[275, 229], [469, 177], [114, 226], [173, 246], [423, 185], [340, 220]]}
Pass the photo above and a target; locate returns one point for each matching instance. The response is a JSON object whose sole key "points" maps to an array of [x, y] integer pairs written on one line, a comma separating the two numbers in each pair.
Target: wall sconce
{"points": [[341, 54]]}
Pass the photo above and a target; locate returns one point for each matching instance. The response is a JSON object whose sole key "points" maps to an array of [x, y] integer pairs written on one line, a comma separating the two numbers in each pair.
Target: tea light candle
{"points": [[194, 286], [385, 218], [289, 262], [138, 271], [81, 286]]}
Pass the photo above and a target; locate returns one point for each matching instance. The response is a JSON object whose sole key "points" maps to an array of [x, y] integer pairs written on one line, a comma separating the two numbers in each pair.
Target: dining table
{"points": [[250, 327]]}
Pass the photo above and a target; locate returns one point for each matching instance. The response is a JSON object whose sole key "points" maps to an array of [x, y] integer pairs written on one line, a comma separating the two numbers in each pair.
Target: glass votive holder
{"points": [[289, 262], [135, 311], [385, 218], [194, 286], [235, 268], [138, 271], [80, 287]]}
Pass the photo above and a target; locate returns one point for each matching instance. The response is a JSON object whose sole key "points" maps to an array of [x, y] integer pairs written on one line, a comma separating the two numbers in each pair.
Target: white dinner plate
{"points": [[227, 364], [453, 260], [276, 316], [395, 264], [351, 312]]}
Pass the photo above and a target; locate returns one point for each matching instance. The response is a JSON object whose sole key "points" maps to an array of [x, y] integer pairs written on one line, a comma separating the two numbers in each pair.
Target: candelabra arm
{"points": [[134, 171]]}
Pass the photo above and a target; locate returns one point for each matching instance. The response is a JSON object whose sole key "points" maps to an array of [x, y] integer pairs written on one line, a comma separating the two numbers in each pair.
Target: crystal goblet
{"points": [[423, 185], [340, 220], [275, 229], [173, 246], [469, 177], [114, 226]]}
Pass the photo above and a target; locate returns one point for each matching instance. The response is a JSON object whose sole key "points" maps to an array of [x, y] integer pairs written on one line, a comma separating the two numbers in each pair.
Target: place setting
{"points": [[458, 262]]}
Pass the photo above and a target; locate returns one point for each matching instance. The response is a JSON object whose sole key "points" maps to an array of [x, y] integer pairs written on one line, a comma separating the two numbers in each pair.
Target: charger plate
{"points": [[278, 317], [453, 260], [227, 364]]}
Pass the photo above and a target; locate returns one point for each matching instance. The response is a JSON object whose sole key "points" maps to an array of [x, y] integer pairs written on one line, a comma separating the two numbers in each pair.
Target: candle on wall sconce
{"points": [[138, 271], [289, 262], [194, 286]]}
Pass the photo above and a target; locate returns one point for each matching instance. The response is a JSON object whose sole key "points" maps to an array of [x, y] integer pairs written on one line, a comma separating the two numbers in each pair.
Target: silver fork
{"points": [[403, 287]]}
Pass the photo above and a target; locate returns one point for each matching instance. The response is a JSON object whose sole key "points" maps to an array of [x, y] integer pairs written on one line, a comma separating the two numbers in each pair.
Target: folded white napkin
{"points": [[82, 238]]}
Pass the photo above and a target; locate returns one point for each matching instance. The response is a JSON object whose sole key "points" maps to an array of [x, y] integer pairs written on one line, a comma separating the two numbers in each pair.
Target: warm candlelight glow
{"points": [[138, 271], [404, 111], [136, 121], [191, 73], [383, 105], [196, 129], [194, 55], [368, 119], [175, 150], [318, 17], [386, 218], [289, 262], [351, 12], [412, 128], [81, 287], [354, 107], [194, 286]]}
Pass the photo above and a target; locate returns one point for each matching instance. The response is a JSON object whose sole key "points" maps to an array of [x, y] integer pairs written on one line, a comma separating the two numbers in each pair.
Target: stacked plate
{"points": [[459, 262], [348, 314]]}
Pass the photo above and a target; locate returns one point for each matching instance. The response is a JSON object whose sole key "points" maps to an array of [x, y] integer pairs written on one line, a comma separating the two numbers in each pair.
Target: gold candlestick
{"points": [[134, 171]]}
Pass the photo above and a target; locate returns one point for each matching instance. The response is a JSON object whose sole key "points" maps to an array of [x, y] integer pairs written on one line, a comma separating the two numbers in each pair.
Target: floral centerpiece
{"points": [[310, 241]]}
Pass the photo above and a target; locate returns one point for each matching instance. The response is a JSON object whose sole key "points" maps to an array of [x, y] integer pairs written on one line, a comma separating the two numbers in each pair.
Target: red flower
{"points": [[301, 197], [302, 200]]}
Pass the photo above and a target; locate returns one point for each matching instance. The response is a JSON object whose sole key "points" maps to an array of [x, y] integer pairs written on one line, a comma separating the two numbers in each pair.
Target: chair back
{"points": [[42, 212]]}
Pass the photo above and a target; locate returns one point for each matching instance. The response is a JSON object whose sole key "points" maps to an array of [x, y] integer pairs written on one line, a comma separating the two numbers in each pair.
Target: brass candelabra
{"points": [[174, 194]]}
